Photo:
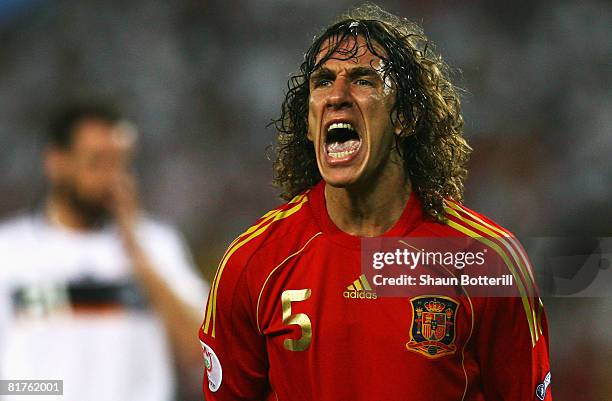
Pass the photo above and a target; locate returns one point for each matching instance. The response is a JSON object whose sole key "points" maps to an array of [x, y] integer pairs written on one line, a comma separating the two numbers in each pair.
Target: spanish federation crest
{"points": [[432, 332]]}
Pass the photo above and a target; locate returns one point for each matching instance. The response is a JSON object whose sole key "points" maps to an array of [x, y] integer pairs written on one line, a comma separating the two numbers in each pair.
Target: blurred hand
{"points": [[125, 206]]}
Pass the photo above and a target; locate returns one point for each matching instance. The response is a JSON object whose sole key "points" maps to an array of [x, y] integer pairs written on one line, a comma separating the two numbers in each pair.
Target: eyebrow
{"points": [[354, 72]]}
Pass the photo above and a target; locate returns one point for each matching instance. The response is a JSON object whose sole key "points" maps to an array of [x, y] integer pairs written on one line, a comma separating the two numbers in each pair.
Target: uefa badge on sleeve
{"points": [[542, 387], [432, 331], [214, 373]]}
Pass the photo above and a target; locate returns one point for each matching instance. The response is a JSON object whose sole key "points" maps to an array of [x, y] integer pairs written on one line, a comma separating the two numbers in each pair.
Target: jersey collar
{"points": [[411, 217]]}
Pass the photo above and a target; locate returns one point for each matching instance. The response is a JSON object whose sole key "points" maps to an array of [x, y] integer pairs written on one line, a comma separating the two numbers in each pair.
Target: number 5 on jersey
{"points": [[301, 319]]}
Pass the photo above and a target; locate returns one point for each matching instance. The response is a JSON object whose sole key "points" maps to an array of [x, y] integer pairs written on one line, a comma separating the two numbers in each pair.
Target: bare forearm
{"points": [[180, 319]]}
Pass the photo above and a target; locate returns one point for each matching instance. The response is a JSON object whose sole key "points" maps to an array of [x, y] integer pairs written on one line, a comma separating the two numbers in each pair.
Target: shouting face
{"points": [[349, 116]]}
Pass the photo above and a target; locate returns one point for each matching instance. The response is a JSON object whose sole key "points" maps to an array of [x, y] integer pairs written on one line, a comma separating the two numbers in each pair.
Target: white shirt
{"points": [[70, 309]]}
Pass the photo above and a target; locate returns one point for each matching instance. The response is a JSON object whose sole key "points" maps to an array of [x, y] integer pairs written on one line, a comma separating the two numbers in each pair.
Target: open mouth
{"points": [[342, 142]]}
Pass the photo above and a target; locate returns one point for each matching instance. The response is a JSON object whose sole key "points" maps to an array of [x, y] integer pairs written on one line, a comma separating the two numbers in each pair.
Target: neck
{"points": [[368, 212], [61, 214]]}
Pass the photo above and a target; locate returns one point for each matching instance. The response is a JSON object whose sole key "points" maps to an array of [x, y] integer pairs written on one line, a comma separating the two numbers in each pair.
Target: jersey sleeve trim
{"points": [[508, 248], [465, 344], [274, 270], [254, 231]]}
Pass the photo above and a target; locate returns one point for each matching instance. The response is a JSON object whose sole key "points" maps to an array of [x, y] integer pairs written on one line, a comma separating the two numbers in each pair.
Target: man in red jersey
{"points": [[370, 145]]}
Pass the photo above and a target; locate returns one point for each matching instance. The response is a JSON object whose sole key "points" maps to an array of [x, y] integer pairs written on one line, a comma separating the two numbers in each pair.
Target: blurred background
{"points": [[202, 80]]}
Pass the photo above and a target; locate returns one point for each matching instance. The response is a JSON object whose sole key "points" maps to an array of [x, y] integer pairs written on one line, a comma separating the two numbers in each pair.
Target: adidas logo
{"points": [[360, 289]]}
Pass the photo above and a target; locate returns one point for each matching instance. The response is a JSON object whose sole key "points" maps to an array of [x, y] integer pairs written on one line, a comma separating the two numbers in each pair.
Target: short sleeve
{"points": [[512, 366], [235, 355]]}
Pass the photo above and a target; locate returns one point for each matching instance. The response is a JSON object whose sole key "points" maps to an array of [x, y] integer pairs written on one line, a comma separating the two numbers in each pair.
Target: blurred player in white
{"points": [[92, 291]]}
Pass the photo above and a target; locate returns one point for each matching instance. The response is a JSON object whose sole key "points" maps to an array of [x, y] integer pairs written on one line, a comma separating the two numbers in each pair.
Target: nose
{"points": [[339, 97]]}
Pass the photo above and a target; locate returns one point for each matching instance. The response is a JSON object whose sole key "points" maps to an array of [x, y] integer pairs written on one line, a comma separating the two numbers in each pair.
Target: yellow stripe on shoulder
{"points": [[509, 241], [504, 252], [260, 222], [525, 265], [253, 232], [521, 260], [270, 215]]}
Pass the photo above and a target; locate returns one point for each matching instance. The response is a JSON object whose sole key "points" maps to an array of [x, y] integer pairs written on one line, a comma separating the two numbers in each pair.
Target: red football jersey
{"points": [[281, 323]]}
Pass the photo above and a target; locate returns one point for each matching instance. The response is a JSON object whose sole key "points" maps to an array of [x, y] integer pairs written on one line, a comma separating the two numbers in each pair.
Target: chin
{"points": [[342, 179]]}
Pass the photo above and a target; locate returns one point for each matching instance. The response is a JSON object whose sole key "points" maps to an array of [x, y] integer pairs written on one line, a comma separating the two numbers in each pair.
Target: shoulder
{"points": [[16, 221], [274, 236], [505, 250], [165, 243], [276, 232], [19, 246], [152, 226], [158, 233], [461, 221], [467, 223], [511, 259], [16, 227], [470, 222]]}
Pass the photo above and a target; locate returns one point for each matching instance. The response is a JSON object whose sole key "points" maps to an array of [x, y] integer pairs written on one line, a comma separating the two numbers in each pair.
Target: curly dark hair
{"points": [[427, 107]]}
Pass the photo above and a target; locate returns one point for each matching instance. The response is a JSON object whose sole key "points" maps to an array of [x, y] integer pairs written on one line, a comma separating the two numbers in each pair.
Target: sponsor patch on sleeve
{"points": [[214, 373]]}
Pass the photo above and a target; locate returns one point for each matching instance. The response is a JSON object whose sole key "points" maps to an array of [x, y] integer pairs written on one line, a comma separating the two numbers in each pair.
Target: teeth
{"points": [[341, 125], [339, 155]]}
